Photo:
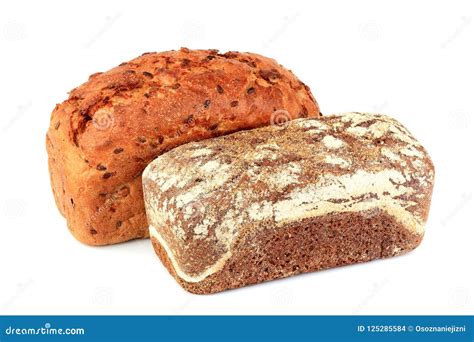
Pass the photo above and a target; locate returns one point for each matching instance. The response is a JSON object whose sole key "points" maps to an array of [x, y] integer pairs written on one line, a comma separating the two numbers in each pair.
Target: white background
{"points": [[413, 61]]}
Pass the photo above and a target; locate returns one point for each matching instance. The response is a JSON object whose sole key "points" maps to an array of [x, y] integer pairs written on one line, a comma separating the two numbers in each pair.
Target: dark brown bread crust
{"points": [[311, 245], [102, 137]]}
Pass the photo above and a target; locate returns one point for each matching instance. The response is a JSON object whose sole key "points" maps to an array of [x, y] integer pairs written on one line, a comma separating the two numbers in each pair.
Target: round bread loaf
{"points": [[103, 136]]}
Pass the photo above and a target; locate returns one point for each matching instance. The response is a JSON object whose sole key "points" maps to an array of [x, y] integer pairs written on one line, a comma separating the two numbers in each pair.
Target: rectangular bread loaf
{"points": [[281, 200], [110, 128]]}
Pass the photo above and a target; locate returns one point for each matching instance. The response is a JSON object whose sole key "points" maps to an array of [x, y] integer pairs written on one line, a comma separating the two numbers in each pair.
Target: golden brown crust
{"points": [[102, 137]]}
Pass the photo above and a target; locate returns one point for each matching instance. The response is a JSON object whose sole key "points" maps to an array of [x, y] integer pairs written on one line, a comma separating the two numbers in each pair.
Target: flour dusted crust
{"points": [[102, 137], [276, 201]]}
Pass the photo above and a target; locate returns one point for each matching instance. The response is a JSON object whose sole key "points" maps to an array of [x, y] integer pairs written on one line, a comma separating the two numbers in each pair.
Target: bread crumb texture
{"points": [[102, 137], [210, 200]]}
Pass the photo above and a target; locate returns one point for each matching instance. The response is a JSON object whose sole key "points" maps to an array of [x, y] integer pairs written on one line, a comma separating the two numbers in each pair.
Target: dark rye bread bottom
{"points": [[313, 244]]}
